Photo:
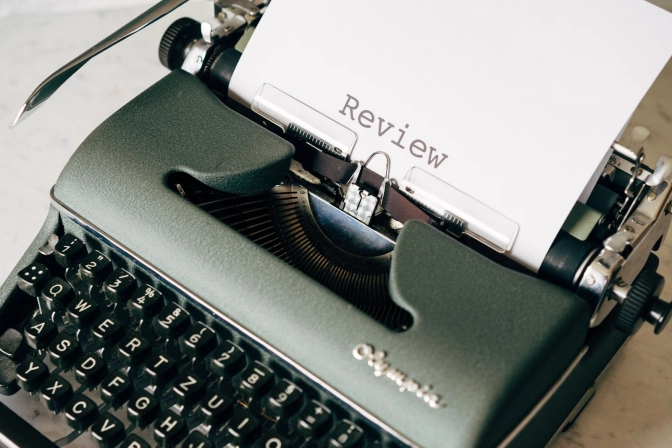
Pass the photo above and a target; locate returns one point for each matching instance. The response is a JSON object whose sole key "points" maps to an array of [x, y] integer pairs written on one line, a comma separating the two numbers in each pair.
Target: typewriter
{"points": [[207, 277]]}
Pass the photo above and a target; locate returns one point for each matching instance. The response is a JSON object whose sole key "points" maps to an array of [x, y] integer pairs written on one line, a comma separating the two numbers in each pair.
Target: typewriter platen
{"points": [[284, 321]]}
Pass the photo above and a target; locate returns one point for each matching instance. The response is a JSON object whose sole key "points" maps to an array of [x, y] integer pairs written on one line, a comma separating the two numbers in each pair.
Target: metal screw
{"points": [[668, 209], [253, 11], [628, 229], [227, 28], [590, 280], [651, 196]]}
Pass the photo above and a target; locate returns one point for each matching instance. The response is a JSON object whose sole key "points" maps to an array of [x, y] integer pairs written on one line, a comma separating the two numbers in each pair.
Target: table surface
{"points": [[633, 404]]}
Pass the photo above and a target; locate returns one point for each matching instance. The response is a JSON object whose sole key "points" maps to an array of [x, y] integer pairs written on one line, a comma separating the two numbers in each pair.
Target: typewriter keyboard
{"points": [[109, 354]]}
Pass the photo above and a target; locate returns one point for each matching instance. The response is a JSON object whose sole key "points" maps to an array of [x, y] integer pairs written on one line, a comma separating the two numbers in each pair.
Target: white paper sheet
{"points": [[486, 89]]}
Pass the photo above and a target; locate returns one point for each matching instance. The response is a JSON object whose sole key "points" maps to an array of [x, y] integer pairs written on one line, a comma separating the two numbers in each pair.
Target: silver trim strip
{"points": [[535, 410], [6, 442], [61, 207]]}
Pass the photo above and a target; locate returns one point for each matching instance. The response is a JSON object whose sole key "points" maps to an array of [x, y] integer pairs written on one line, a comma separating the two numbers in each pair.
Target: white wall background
{"points": [[10, 7]]}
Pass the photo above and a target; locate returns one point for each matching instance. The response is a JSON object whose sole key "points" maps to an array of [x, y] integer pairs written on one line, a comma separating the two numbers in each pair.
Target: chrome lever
{"points": [[60, 76]]}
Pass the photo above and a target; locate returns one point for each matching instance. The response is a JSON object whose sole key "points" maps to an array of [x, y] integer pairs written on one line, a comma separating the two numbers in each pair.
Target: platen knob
{"points": [[176, 41], [642, 304]]}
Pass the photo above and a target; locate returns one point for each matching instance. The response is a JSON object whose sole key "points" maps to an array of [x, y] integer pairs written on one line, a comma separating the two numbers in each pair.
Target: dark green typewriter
{"points": [[202, 280]]}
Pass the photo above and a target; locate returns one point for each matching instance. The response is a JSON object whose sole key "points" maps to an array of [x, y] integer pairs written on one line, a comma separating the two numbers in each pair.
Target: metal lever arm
{"points": [[56, 80]]}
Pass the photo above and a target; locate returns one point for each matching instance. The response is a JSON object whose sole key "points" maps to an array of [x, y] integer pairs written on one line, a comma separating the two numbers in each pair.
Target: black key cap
{"points": [[145, 302], [284, 400], [243, 427], [256, 380], [346, 435], [12, 344], [171, 321], [64, 350], [107, 330], [95, 267], [143, 408], [314, 419], [216, 408], [160, 368], [31, 374], [56, 392], [119, 285], [198, 341], [227, 360], [188, 388], [8, 383], [116, 389], [83, 311], [169, 429], [108, 431], [135, 441], [81, 412], [40, 332], [134, 349], [32, 278], [90, 370], [197, 440], [69, 251], [273, 439], [57, 294]]}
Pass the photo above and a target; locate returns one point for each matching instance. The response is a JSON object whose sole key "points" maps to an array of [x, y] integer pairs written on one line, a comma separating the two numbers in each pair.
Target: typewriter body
{"points": [[202, 280]]}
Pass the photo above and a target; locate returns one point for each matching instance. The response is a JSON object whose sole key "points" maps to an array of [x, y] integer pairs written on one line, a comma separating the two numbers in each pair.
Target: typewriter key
{"points": [[188, 388], [134, 349], [119, 285], [40, 332], [107, 330], [69, 251], [95, 267], [134, 441], [227, 360], [243, 427], [284, 399], [31, 374], [81, 412], [57, 293], [171, 322], [64, 350], [197, 440], [56, 392], [314, 419], [169, 429], [90, 370], [346, 435], [83, 311], [108, 430], [160, 368], [32, 279], [273, 439], [216, 408], [143, 408], [116, 389], [256, 380], [8, 383], [145, 302], [12, 344], [198, 341]]}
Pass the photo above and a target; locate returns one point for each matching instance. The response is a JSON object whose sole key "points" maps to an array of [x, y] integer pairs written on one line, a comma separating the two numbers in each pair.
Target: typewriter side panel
{"points": [[505, 337], [177, 125]]}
